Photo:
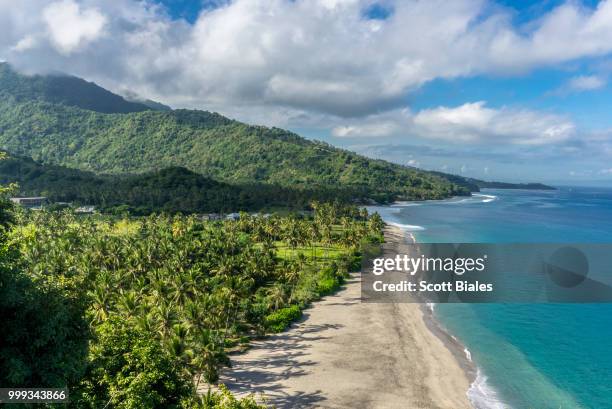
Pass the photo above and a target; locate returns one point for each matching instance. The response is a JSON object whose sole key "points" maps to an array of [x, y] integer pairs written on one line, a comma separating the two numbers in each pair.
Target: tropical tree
{"points": [[129, 369]]}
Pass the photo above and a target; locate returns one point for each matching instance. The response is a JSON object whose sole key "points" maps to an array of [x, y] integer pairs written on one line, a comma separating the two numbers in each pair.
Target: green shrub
{"points": [[279, 320], [328, 281], [305, 290], [355, 263], [222, 399], [327, 285]]}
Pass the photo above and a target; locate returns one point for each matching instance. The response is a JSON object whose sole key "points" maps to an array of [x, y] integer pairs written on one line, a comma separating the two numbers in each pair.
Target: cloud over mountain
{"points": [[349, 69], [316, 56]]}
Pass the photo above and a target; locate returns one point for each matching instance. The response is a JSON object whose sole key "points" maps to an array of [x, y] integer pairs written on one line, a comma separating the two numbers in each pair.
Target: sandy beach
{"points": [[348, 354]]}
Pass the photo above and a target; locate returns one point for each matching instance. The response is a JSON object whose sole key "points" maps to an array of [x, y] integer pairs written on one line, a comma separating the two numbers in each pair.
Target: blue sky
{"points": [[508, 90], [540, 89], [187, 9]]}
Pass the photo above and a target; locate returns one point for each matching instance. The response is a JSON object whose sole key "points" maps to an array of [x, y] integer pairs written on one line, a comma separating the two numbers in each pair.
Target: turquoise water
{"points": [[529, 355]]}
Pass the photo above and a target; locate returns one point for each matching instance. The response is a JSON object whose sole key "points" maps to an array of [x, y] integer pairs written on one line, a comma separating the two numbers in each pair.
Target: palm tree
{"points": [[99, 304], [207, 355], [277, 296], [128, 303]]}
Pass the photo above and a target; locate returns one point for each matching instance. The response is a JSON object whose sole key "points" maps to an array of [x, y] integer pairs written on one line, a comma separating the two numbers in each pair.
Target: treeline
{"points": [[141, 312], [171, 190], [504, 185], [474, 185]]}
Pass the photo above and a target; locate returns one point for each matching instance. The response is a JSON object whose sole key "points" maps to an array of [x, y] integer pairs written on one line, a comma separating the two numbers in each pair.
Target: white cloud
{"points": [[395, 122], [581, 83], [71, 26], [586, 83], [390, 123], [471, 122], [24, 44], [580, 173], [297, 59]]}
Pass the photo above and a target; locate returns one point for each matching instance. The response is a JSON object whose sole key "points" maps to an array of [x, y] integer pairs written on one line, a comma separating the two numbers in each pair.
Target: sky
{"points": [[499, 90]]}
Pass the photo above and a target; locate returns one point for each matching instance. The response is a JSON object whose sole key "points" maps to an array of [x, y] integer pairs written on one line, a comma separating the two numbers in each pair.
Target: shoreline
{"points": [[347, 353], [478, 381], [459, 350]]}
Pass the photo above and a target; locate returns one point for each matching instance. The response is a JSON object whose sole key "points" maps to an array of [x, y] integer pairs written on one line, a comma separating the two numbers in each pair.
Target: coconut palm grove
{"points": [[136, 312]]}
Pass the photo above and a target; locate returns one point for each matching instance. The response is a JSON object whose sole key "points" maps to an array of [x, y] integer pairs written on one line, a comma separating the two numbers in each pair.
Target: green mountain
{"points": [[175, 190], [63, 89], [65, 130], [482, 184], [476, 184]]}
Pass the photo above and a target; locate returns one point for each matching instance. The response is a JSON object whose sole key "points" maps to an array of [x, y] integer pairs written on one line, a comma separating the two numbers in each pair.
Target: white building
{"points": [[34, 203]]}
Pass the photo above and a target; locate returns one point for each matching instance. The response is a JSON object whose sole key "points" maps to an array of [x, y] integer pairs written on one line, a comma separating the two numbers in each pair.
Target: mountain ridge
{"points": [[207, 143], [475, 184], [64, 89], [65, 128]]}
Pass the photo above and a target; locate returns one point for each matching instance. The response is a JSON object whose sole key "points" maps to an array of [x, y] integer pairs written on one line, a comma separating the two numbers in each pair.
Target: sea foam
{"points": [[405, 204], [485, 198], [407, 227], [482, 395]]}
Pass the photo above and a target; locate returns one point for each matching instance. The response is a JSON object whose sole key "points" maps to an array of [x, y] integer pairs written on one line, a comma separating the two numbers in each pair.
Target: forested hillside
{"points": [[476, 184], [54, 131], [173, 190]]}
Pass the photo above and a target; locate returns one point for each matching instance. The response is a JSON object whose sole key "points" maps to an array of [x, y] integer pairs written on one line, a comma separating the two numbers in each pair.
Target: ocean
{"points": [[529, 356]]}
